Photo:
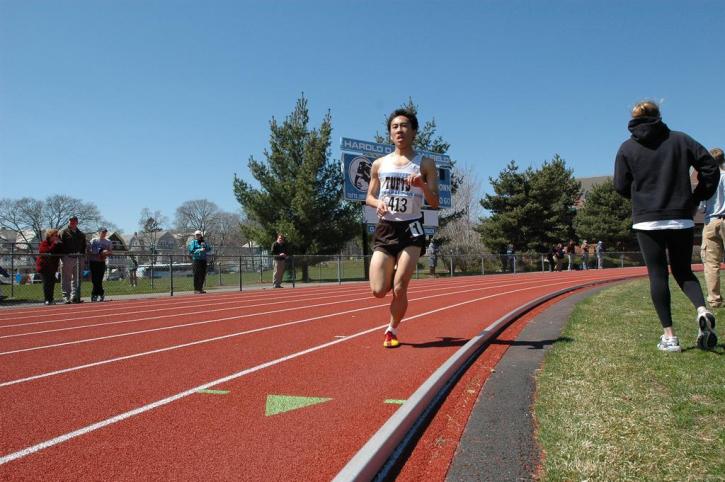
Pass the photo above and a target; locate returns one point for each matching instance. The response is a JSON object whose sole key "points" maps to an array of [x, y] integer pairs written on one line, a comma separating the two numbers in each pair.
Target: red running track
{"points": [[115, 390]]}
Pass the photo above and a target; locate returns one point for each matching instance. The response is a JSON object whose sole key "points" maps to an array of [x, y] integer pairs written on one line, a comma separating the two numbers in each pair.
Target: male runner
{"points": [[398, 184]]}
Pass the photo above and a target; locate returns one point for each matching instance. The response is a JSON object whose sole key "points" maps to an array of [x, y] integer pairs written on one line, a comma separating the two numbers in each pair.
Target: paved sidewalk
{"points": [[498, 443]]}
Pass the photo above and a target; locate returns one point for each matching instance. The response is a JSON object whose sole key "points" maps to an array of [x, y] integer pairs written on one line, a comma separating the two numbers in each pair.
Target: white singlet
{"points": [[403, 200]]}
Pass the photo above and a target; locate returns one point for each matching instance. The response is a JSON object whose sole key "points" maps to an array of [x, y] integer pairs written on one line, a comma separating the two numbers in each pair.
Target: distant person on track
{"points": [[74, 250], [48, 262], [198, 249], [399, 183], [652, 168], [280, 252], [101, 248], [713, 235]]}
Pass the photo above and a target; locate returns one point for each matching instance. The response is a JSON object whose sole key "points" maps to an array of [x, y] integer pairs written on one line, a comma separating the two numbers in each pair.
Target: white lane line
{"points": [[145, 408], [209, 340], [170, 301], [239, 304], [218, 320], [302, 295], [100, 313]]}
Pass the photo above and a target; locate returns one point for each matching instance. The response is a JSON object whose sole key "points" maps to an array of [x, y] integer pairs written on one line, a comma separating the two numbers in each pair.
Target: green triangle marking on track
{"points": [[214, 392], [285, 403], [394, 402]]}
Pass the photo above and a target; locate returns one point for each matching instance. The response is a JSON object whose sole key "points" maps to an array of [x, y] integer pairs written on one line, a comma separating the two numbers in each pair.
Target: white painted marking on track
{"points": [[145, 408], [232, 335], [249, 315], [199, 342]]}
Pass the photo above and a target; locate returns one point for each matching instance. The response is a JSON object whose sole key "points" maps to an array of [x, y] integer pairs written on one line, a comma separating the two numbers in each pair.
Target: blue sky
{"points": [[150, 103]]}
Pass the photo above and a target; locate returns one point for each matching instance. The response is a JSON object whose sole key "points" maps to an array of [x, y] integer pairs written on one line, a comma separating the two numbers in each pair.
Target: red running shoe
{"points": [[391, 341]]}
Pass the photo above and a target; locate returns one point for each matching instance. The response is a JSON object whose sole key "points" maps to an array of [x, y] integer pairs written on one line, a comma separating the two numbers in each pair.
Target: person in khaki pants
{"points": [[713, 235]]}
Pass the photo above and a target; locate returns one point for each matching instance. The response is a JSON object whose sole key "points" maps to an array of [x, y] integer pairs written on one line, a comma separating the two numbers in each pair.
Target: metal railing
{"points": [[173, 273]]}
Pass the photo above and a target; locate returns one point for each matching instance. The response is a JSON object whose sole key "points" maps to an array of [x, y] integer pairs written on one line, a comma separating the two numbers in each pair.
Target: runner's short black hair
{"points": [[405, 113]]}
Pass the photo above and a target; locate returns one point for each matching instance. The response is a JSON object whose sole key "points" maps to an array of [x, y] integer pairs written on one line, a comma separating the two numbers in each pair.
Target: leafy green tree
{"points": [[300, 190], [532, 209], [607, 216]]}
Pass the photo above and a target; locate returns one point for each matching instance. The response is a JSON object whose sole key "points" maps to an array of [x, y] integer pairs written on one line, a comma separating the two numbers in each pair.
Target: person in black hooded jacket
{"points": [[652, 168]]}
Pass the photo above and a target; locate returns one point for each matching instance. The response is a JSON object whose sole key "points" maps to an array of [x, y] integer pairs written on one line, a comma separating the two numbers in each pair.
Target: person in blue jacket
{"points": [[198, 249]]}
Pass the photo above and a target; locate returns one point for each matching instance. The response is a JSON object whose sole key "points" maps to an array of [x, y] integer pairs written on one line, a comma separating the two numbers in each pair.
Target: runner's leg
{"points": [[407, 260], [381, 272]]}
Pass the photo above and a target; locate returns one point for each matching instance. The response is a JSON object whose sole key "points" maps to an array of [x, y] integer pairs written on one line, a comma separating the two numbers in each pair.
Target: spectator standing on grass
{"points": [[599, 250], [570, 250], [132, 266], [100, 249], [48, 262], [3, 272], [559, 256], [511, 257], [74, 249], [433, 257], [198, 249], [585, 254], [280, 252], [713, 235], [652, 168]]}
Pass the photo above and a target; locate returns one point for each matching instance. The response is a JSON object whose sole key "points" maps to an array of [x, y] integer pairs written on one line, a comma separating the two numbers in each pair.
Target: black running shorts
{"points": [[392, 237]]}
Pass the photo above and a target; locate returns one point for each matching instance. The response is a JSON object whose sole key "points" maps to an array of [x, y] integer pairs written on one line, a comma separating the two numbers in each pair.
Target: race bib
{"points": [[416, 229]]}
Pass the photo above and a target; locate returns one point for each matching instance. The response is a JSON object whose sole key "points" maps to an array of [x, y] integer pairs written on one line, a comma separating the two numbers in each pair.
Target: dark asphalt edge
{"points": [[499, 440]]}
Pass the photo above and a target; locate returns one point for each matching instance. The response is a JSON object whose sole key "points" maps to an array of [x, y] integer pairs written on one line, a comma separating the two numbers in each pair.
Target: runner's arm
{"points": [[374, 189]]}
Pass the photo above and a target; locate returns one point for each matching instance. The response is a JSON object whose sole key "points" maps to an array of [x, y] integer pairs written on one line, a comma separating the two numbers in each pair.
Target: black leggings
{"points": [[678, 243], [198, 267], [98, 269]]}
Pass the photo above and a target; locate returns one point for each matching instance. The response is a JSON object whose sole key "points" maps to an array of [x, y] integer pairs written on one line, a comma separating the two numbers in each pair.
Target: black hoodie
{"points": [[653, 169]]}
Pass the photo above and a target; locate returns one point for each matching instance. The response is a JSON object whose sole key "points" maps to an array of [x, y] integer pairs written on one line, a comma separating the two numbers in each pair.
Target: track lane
{"points": [[429, 342], [29, 355]]}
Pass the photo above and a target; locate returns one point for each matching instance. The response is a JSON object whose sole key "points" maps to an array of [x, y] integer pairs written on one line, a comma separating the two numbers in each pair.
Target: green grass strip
{"points": [[215, 392], [610, 406], [394, 402]]}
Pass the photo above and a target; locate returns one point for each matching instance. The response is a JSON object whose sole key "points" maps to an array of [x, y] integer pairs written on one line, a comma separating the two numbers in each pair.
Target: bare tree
{"points": [[228, 232], [462, 238], [21, 215], [150, 223], [58, 208], [27, 213], [200, 214]]}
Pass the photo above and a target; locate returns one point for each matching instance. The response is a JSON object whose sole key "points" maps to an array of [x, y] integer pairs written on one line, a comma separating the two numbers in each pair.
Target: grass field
{"points": [[610, 406]]}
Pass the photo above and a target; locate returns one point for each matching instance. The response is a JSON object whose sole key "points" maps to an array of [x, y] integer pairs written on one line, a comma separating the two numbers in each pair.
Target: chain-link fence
{"points": [[148, 272]]}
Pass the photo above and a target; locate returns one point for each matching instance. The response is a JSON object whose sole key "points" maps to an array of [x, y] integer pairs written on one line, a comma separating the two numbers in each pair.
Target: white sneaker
{"points": [[706, 337], [669, 343]]}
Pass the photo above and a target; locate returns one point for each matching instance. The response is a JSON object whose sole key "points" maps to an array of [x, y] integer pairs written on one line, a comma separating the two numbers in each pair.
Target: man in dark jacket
{"points": [[280, 251], [653, 169], [74, 250]]}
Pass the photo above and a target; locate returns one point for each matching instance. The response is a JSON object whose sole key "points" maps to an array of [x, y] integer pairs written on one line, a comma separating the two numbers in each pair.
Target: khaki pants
{"points": [[279, 265], [713, 235]]}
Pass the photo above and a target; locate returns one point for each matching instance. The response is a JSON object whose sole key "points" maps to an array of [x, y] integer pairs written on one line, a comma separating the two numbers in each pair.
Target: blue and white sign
{"points": [[356, 171], [376, 150], [358, 157]]}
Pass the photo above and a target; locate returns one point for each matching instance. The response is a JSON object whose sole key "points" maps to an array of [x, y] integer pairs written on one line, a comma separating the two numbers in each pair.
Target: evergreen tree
{"points": [[606, 216], [300, 191], [532, 209]]}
